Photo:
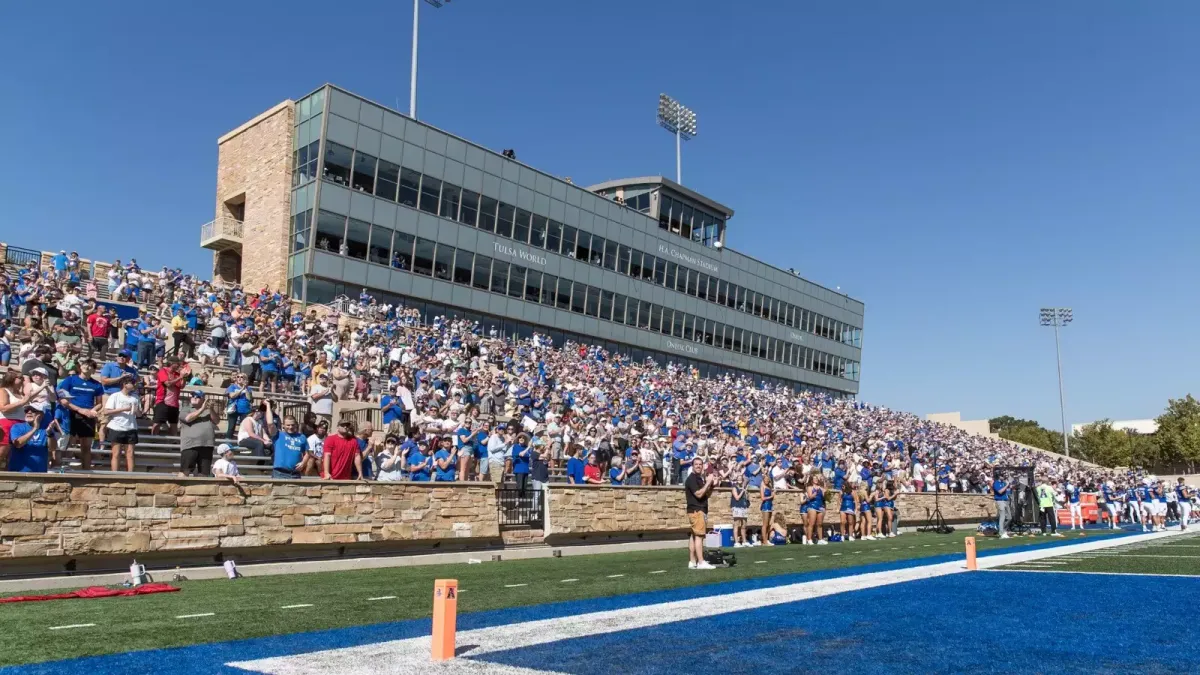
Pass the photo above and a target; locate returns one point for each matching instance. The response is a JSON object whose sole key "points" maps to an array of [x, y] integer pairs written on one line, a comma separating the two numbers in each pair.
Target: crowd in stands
{"points": [[455, 401]]}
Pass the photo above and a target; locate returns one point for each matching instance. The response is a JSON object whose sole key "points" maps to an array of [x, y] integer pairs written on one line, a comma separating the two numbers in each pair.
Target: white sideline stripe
{"points": [[1109, 574], [514, 585], [294, 606], [760, 562], [789, 558], [195, 616], [568, 581], [412, 655], [615, 576], [382, 597], [659, 572], [74, 625]]}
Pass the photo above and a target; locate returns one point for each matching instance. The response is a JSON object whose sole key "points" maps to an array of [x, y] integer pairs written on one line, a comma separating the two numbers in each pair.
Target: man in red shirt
{"points": [[340, 453], [591, 472], [166, 397], [98, 324]]}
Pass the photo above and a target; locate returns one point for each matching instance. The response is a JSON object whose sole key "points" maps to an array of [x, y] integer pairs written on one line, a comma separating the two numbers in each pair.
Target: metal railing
{"points": [[517, 507], [364, 415], [22, 256], [227, 227]]}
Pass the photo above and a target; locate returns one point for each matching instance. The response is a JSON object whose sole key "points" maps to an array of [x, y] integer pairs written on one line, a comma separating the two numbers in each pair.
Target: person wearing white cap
{"points": [[225, 467]]}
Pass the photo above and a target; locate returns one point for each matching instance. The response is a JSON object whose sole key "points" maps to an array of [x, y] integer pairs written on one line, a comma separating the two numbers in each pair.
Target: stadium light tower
{"points": [[412, 90], [1059, 317], [679, 120]]}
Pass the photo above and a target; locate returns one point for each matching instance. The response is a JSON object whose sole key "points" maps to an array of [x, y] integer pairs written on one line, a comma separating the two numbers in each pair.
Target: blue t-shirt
{"points": [[1074, 496], [418, 468], [520, 459], [241, 403], [575, 470], [614, 475], [113, 369], [393, 414], [438, 472], [146, 332], [462, 438], [84, 393], [34, 456], [266, 358], [289, 448], [60, 263], [997, 486]]}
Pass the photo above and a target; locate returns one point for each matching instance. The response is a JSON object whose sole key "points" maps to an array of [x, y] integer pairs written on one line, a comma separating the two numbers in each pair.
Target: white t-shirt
{"points": [[316, 445], [322, 406], [226, 467], [126, 421]]}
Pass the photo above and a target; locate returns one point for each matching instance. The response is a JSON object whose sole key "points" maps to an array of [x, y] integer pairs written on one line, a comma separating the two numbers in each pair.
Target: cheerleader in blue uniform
{"points": [[768, 511], [887, 502], [849, 510]]}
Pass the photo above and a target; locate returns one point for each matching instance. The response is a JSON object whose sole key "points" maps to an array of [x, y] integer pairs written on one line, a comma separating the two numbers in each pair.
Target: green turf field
{"points": [[254, 606], [1179, 555]]}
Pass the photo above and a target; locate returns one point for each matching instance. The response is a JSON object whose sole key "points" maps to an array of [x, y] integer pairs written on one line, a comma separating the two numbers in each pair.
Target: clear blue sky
{"points": [[954, 165]]}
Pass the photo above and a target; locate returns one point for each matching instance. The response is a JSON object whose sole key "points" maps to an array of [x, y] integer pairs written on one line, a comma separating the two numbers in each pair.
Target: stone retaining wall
{"points": [[579, 512], [67, 516]]}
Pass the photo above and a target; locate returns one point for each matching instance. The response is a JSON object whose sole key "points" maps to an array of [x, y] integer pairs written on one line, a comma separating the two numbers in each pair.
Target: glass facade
{"points": [[377, 187]]}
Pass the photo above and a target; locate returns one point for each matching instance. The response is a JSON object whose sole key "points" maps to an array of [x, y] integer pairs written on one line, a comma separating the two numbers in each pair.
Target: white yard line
{"points": [[659, 572], [73, 625], [760, 562], [382, 597], [514, 585], [295, 606], [615, 576], [195, 616], [568, 581], [412, 655]]}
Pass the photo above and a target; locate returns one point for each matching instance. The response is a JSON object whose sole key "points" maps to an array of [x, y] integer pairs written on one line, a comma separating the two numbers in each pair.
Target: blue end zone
{"points": [[210, 658], [952, 624]]}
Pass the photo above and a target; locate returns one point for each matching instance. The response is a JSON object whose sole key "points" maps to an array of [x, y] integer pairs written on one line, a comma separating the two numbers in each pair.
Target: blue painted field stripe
{"points": [[210, 658]]}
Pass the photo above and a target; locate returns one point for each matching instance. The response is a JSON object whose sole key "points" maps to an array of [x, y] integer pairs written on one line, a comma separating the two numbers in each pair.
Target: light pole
{"points": [[679, 120], [412, 89], [1059, 317]]}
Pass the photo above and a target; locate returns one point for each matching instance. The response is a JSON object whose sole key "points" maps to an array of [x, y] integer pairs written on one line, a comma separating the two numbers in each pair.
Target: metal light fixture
{"points": [[679, 120], [1059, 317]]}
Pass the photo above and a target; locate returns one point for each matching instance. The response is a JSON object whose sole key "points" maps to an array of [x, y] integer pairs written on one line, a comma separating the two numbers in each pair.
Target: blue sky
{"points": [[953, 165]]}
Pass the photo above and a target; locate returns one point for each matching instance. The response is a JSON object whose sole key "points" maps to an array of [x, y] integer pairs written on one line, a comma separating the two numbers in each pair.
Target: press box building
{"points": [[333, 193]]}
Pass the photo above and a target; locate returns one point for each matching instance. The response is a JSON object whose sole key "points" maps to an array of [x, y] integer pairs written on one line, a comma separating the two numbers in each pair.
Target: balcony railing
{"points": [[221, 231]]}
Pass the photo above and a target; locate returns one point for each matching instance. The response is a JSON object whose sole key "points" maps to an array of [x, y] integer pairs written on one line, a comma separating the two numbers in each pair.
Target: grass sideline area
{"points": [[1176, 556], [274, 605]]}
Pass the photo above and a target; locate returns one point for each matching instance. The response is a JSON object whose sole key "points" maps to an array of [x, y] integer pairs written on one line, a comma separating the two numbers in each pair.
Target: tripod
{"points": [[936, 521]]}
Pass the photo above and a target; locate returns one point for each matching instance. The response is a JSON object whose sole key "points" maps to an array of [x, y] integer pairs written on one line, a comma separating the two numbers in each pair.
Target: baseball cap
{"points": [[125, 352], [197, 394], [224, 448], [41, 371]]}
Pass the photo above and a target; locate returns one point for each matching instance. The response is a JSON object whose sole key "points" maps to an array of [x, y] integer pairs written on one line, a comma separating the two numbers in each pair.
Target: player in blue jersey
{"points": [[1112, 502], [1184, 495], [1159, 493], [848, 510], [1146, 504], [1074, 505]]}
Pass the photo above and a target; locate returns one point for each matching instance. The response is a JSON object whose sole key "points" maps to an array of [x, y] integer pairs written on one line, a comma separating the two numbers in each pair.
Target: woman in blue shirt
{"points": [[848, 510], [240, 397], [768, 512], [520, 461]]}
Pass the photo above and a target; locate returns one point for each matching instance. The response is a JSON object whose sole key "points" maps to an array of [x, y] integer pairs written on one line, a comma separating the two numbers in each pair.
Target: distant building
{"points": [[1136, 426]]}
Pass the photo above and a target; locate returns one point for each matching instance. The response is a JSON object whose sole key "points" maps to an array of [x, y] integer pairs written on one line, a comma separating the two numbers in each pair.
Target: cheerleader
{"points": [[862, 498], [768, 510], [816, 511], [849, 510], [739, 507], [887, 498]]}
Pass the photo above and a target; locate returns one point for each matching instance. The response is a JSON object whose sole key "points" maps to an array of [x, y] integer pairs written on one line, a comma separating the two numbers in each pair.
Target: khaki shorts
{"points": [[696, 520]]}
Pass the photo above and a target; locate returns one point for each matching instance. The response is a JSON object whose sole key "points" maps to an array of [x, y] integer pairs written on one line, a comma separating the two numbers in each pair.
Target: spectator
{"points": [[85, 405], [254, 434], [240, 397], [316, 448], [225, 467], [1000, 496], [444, 461], [122, 409], [169, 381], [342, 454], [197, 436], [697, 489], [181, 335], [520, 462], [291, 446], [322, 398], [591, 472], [32, 451], [420, 464], [391, 460]]}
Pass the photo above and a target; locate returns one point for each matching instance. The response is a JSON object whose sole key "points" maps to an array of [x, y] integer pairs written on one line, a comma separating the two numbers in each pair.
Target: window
{"points": [[583, 247], [706, 288], [685, 223], [656, 314], [537, 232], [562, 298], [487, 213], [337, 163], [504, 220], [676, 217], [618, 308], [387, 180], [516, 282], [593, 301], [431, 192], [306, 163], [521, 226], [578, 292], [644, 314], [483, 272], [672, 274], [664, 213], [499, 277], [469, 212], [533, 286], [677, 324], [610, 255], [402, 251], [364, 173], [554, 236], [423, 258], [660, 271], [462, 267], [443, 262], [597, 250], [357, 235], [381, 244], [301, 229], [692, 280], [568, 242], [549, 284], [623, 256], [331, 232], [450, 198], [410, 187], [635, 264], [689, 328]]}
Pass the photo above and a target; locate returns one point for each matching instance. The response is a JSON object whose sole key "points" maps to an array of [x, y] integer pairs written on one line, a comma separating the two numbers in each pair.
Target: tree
{"points": [[1028, 432], [1098, 442], [1178, 433]]}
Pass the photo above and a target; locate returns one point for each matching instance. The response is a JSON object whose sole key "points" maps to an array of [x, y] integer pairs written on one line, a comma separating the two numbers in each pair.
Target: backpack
{"points": [[719, 558]]}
